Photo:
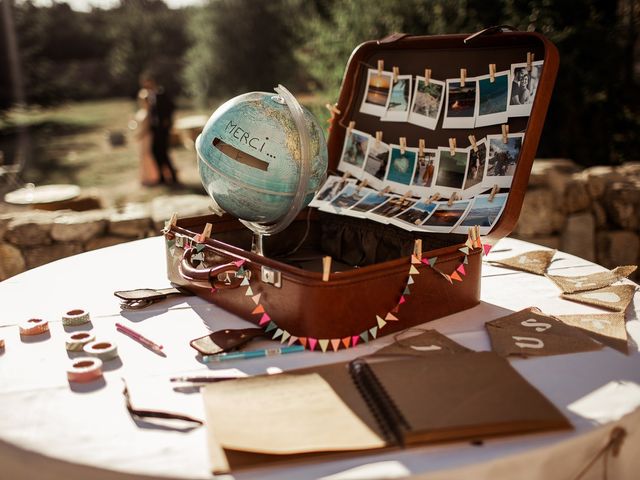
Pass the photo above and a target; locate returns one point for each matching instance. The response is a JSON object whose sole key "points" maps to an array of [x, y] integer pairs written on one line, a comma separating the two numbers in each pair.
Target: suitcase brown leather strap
{"points": [[219, 277]]}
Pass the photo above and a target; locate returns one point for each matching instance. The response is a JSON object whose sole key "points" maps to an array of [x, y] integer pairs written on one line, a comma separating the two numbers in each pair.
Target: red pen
{"points": [[139, 338]]}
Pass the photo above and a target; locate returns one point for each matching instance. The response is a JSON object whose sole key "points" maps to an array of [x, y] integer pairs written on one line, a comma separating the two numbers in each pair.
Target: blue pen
{"points": [[267, 352]]}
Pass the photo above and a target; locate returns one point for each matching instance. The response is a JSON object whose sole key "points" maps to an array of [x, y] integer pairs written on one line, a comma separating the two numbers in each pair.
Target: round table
{"points": [[51, 429]]}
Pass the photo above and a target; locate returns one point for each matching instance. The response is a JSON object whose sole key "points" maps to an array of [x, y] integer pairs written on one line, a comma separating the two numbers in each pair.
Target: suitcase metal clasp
{"points": [[271, 276]]}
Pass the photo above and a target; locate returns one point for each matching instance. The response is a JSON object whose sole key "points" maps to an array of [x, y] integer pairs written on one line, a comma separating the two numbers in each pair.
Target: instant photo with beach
{"points": [[376, 95], [332, 186], [493, 99], [348, 197], [475, 170], [400, 169], [484, 212], [392, 207], [445, 217], [412, 217], [426, 104], [399, 100], [524, 85], [461, 106], [502, 159]]}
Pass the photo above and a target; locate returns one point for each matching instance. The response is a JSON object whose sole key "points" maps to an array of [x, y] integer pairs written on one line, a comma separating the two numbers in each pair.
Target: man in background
{"points": [[161, 109]]}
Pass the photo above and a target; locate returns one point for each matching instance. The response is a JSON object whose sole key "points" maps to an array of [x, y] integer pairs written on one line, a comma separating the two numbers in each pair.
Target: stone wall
{"points": [[593, 213], [31, 238]]}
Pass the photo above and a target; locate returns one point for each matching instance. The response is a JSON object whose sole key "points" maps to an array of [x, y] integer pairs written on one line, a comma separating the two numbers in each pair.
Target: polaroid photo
{"points": [[424, 173], [369, 202], [399, 100], [451, 171], [414, 216], [375, 166], [348, 197], [331, 188], [473, 182], [493, 99], [400, 169], [354, 152], [502, 159], [524, 85], [393, 206], [445, 218], [483, 213], [427, 103], [376, 96], [461, 104]]}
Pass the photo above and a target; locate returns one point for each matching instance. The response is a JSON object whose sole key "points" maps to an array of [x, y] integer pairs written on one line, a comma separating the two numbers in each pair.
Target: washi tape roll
{"points": [[1, 342], [34, 326], [84, 369], [75, 317], [77, 340], [102, 349]]}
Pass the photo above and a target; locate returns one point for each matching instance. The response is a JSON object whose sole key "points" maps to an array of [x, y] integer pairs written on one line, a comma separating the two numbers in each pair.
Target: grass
{"points": [[69, 144]]}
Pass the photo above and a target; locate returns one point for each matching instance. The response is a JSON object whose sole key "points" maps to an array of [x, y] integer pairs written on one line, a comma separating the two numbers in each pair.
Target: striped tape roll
{"points": [[102, 349], [1, 342], [84, 369], [75, 317], [77, 340], [34, 326]]}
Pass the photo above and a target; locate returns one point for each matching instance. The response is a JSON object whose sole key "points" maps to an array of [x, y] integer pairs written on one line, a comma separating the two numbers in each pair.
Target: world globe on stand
{"points": [[255, 151]]}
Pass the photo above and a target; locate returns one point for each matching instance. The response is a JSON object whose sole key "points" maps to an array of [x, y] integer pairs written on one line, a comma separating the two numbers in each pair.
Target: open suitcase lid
{"points": [[445, 55]]}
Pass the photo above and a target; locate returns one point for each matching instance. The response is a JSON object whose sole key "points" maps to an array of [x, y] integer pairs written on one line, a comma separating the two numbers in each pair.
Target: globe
{"points": [[262, 157]]}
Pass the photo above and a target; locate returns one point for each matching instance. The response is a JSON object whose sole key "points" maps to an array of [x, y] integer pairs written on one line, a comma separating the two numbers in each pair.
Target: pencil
{"points": [[139, 338], [267, 352]]}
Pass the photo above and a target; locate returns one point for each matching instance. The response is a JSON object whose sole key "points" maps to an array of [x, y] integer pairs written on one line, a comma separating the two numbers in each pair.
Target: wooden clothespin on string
{"points": [[463, 76], [384, 191], [333, 111], [417, 248], [494, 190], [206, 233], [363, 184], [406, 195], [380, 66], [505, 133], [403, 144], [427, 76], [378, 137], [530, 57], [352, 125], [452, 198], [326, 268], [492, 72], [472, 141], [452, 146], [434, 198], [421, 146], [396, 72]]}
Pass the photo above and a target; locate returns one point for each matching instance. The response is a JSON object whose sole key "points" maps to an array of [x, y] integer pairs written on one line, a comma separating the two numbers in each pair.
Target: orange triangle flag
{"points": [[346, 341], [455, 276], [303, 341], [258, 309]]}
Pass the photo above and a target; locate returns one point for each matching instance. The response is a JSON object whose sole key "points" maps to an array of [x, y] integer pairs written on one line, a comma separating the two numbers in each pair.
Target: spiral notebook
{"points": [[371, 404]]}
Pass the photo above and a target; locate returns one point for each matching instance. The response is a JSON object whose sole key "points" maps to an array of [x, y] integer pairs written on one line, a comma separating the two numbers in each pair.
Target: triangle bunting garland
{"points": [[323, 344], [335, 344]]}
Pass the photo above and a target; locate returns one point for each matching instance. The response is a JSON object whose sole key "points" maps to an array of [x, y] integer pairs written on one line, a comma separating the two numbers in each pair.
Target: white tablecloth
{"points": [[50, 429]]}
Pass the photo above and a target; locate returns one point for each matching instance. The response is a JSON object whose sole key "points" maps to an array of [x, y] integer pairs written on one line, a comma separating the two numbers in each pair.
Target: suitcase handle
{"points": [[219, 277]]}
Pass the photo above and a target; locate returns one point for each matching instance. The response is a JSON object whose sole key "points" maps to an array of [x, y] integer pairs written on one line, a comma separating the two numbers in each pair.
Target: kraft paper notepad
{"points": [[370, 404]]}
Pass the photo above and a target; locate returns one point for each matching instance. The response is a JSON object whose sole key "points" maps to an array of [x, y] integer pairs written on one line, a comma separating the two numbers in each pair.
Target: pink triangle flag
{"points": [[354, 340], [395, 309], [312, 343], [213, 290], [335, 344], [239, 263], [486, 248], [425, 261], [461, 269], [390, 317], [264, 319], [402, 300]]}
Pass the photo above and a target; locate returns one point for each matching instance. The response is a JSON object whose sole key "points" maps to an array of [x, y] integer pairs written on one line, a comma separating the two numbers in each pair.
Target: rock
{"points": [[618, 247], [599, 177], [630, 169], [11, 261], [36, 256], [30, 228], [599, 214], [578, 237], [552, 174], [103, 242], [541, 215], [79, 226], [184, 205], [576, 197], [133, 221], [622, 201]]}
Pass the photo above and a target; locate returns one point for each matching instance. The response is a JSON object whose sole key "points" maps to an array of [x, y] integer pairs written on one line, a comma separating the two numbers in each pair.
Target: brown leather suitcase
{"points": [[376, 287]]}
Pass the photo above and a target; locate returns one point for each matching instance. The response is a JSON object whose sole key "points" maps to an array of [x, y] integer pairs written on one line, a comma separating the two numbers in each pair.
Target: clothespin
{"points": [[384, 191], [326, 268], [494, 190], [378, 137], [364, 183], [380, 66], [452, 146], [417, 248], [463, 76], [530, 57], [427, 76], [473, 234], [477, 230], [352, 125], [492, 72], [452, 199], [406, 195], [472, 141], [505, 133], [345, 175], [333, 111], [403, 144], [421, 145], [206, 233], [434, 198], [172, 221], [396, 72]]}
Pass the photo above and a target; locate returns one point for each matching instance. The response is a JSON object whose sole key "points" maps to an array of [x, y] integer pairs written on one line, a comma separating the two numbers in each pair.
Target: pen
{"points": [[267, 352], [139, 338], [204, 379]]}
